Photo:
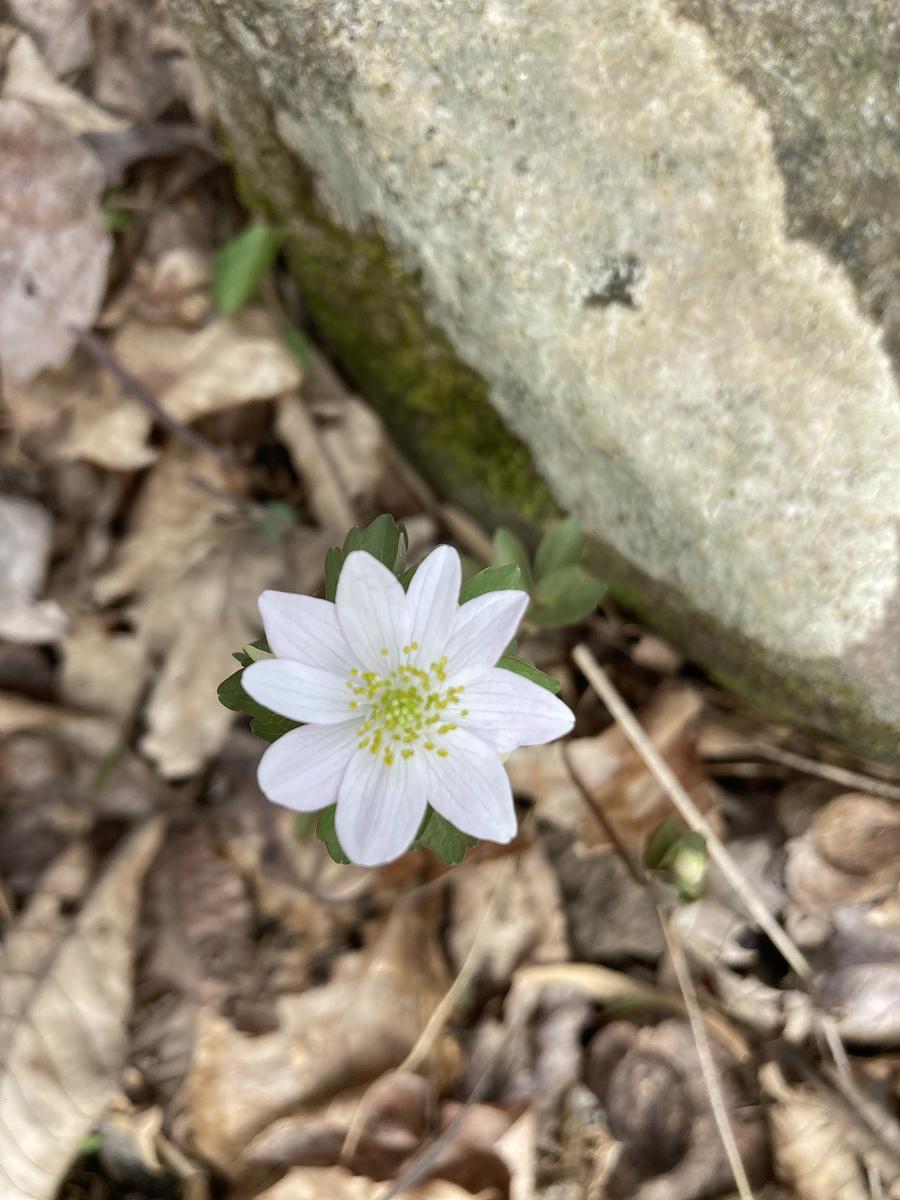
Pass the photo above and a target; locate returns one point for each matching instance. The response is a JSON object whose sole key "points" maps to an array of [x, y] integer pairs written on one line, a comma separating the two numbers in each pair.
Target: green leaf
{"points": [[561, 546], [241, 263], [565, 596], [334, 560], [276, 520], [297, 344], [443, 839], [246, 659], [491, 579], [528, 671], [270, 726], [509, 551], [384, 539], [265, 724], [326, 833], [662, 841]]}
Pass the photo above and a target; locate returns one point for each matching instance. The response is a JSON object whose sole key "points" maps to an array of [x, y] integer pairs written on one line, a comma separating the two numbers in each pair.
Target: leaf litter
{"points": [[215, 1007]]}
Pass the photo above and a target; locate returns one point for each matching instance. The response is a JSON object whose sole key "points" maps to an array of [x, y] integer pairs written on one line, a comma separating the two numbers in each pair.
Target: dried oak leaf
{"points": [[194, 565], [25, 537], [54, 246], [66, 999], [332, 1038]]}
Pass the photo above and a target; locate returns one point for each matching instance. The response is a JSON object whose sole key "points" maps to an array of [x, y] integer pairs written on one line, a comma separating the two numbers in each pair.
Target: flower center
{"points": [[404, 711]]}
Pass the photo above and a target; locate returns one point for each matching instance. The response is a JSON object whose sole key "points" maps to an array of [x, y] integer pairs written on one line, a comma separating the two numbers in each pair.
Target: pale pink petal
{"points": [[304, 768], [306, 630], [481, 630], [507, 711], [299, 692], [469, 786], [380, 808], [433, 598], [372, 612]]}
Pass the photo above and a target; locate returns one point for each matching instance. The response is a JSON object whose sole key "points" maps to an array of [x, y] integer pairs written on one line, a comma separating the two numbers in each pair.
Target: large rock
{"points": [[657, 241]]}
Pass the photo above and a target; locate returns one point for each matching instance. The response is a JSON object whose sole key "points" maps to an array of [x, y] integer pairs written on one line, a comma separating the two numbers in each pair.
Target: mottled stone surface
{"points": [[630, 233]]}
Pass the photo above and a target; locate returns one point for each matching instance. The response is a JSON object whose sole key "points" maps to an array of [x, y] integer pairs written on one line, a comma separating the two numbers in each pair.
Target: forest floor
{"points": [[195, 1001]]}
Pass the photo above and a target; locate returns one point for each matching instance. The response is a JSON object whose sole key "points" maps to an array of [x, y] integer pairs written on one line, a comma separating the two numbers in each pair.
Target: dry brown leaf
{"points": [[860, 980], [616, 775], [66, 1039], [94, 735], [334, 1183], [527, 923], [195, 566], [190, 373], [335, 1037], [60, 29], [28, 78], [326, 491], [54, 246], [103, 671], [658, 1107], [810, 1147], [138, 67], [25, 536]]}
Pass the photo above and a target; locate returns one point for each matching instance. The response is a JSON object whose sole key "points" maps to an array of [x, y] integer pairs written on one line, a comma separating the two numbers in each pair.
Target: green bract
{"points": [[562, 591]]}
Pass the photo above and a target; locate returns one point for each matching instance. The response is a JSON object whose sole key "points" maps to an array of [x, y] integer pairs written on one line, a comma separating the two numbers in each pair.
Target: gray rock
{"points": [[659, 248]]}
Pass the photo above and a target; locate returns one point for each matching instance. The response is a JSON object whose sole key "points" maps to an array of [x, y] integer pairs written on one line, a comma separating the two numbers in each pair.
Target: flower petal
{"points": [[299, 692], [305, 629], [304, 768], [380, 808], [433, 599], [507, 711], [372, 612], [470, 788], [481, 630]]}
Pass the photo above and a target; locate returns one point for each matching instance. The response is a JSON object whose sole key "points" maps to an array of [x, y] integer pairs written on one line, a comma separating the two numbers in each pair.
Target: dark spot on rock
{"points": [[511, 123], [521, 165], [618, 278]]}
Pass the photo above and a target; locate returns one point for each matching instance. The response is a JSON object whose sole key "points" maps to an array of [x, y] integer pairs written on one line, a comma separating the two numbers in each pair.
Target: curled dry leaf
{"points": [[657, 1106], [25, 536], [331, 1038], [54, 246], [860, 981], [615, 774], [811, 1148], [194, 565], [848, 855], [64, 1022]]}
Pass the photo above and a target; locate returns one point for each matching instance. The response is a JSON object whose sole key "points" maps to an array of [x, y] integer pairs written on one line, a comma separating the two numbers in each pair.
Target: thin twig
{"points": [[631, 865], [705, 1058], [665, 776], [104, 357], [839, 775]]}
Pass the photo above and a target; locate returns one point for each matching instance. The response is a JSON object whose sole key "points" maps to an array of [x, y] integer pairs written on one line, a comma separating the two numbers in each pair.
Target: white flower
{"points": [[402, 703]]}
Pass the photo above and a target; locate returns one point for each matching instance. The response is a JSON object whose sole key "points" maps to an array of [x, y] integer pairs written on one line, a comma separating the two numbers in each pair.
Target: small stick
{"points": [[839, 775], [665, 776], [705, 1058], [104, 357]]}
